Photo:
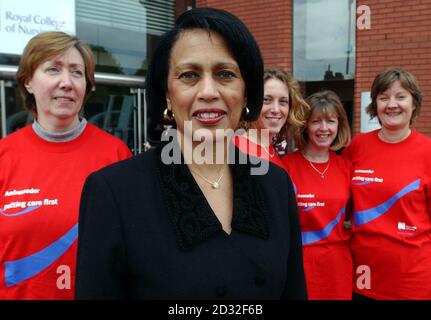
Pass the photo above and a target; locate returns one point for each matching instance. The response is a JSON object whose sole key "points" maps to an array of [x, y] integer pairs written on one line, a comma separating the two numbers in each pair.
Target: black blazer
{"points": [[147, 232]]}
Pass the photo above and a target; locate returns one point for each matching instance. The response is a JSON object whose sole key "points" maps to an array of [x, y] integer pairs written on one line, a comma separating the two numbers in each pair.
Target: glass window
{"points": [[323, 39], [324, 48], [16, 116], [122, 32]]}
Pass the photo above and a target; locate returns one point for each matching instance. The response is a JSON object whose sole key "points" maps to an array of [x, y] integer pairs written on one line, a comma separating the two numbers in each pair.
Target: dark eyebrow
{"points": [[187, 65], [227, 64], [217, 65]]}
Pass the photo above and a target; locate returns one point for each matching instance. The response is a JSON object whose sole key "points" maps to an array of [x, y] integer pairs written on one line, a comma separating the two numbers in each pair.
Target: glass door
{"points": [[15, 115], [114, 109]]}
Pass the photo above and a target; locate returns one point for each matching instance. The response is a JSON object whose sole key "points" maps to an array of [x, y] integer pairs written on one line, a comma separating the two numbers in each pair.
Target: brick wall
{"points": [[269, 21], [400, 35]]}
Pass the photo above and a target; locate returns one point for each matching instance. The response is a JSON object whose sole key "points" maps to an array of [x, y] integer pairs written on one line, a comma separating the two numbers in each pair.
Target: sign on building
{"points": [[367, 124], [20, 20]]}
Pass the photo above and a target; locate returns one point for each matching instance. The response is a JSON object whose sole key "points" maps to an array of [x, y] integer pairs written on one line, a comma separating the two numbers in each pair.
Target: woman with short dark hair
{"points": [[188, 219], [391, 195]]}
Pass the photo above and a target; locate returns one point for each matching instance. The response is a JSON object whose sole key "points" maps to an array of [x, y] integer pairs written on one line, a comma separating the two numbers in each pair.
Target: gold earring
{"points": [[168, 115]]}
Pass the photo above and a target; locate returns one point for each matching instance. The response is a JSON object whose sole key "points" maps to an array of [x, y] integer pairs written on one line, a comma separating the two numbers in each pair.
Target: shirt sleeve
{"points": [[124, 152], [428, 197], [346, 153], [295, 288], [101, 267]]}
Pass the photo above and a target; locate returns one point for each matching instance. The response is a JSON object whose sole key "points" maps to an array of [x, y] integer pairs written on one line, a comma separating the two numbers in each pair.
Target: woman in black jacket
{"points": [[194, 218]]}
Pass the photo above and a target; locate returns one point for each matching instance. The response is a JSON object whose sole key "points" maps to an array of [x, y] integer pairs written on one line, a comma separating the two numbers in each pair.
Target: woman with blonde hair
{"points": [[322, 183], [283, 112]]}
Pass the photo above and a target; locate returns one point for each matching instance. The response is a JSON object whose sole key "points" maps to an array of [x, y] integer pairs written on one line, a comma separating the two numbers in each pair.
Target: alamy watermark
{"points": [[204, 146], [64, 281], [363, 281], [363, 21]]}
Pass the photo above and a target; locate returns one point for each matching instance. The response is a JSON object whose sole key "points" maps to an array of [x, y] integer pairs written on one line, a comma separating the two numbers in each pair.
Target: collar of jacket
{"points": [[192, 217]]}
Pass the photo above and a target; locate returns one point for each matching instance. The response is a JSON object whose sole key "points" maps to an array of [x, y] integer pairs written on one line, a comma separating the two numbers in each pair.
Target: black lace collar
{"points": [[192, 217]]}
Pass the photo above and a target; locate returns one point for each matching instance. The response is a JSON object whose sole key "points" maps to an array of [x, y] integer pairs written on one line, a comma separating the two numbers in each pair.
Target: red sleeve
{"points": [[347, 152], [124, 152]]}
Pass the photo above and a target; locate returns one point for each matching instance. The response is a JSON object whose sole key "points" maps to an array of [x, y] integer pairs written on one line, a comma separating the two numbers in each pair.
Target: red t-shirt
{"points": [[40, 189], [392, 217], [249, 147], [322, 206]]}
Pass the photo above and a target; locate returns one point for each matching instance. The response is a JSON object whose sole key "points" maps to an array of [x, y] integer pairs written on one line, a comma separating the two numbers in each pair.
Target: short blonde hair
{"points": [[47, 45], [326, 103]]}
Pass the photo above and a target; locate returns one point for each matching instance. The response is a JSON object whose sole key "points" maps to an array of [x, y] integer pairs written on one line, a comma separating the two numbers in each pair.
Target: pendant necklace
{"points": [[271, 155], [321, 173], [214, 184]]}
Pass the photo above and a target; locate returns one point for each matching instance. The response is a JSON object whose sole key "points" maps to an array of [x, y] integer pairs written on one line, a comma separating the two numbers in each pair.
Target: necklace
{"points": [[322, 173], [271, 155], [214, 184]]}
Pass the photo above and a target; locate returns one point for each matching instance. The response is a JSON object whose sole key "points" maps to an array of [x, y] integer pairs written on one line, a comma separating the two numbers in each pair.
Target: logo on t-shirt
{"points": [[21, 204], [360, 179], [307, 202], [403, 227]]}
